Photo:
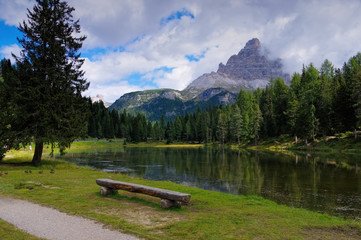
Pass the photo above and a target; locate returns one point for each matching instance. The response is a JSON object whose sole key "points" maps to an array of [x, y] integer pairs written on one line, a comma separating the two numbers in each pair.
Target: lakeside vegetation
{"points": [[211, 215]]}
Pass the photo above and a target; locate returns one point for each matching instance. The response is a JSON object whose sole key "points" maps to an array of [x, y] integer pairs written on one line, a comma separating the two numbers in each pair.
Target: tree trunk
{"points": [[355, 133], [38, 153]]}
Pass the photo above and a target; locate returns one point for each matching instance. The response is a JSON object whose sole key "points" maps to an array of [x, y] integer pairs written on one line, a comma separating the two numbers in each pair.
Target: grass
{"points": [[211, 215], [179, 145], [10, 232]]}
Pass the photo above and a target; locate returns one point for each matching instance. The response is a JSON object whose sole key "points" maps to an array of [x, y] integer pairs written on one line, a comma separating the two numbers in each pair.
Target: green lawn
{"points": [[211, 215]]}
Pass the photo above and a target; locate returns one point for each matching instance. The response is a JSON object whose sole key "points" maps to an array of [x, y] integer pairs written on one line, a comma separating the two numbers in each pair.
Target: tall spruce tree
{"points": [[280, 100], [48, 93], [325, 112], [307, 122], [236, 124]]}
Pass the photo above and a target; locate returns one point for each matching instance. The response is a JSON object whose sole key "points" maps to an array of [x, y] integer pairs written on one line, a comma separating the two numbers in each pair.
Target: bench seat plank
{"points": [[152, 191]]}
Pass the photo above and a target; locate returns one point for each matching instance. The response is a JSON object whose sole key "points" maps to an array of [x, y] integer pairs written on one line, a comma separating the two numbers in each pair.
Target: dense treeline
{"points": [[317, 103], [109, 124]]}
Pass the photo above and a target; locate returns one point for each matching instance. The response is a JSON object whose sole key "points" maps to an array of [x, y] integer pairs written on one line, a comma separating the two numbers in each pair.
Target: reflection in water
{"points": [[324, 184]]}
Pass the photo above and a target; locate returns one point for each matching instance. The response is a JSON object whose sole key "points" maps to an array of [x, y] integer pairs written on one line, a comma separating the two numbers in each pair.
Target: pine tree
{"points": [[356, 93], [280, 100], [116, 122], [178, 128], [307, 122], [325, 102], [156, 131], [267, 106], [236, 123], [257, 121], [245, 106], [50, 79], [188, 130], [222, 126], [353, 78], [350, 70], [293, 105], [162, 127], [108, 126], [206, 122]]}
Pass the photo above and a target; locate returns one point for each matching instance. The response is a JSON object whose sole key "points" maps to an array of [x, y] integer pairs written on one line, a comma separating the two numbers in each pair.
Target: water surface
{"points": [[330, 184]]}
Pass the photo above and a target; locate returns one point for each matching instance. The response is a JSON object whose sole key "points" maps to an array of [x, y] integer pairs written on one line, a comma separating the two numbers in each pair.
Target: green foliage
{"points": [[236, 123], [110, 124], [7, 116]]}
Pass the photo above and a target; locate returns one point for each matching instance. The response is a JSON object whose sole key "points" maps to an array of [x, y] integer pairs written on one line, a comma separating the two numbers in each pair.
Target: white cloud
{"points": [[7, 51], [175, 78], [298, 31], [14, 11], [113, 92]]}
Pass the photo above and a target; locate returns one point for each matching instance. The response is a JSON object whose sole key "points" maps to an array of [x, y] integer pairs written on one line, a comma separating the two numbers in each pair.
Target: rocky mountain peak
{"points": [[253, 44], [250, 69], [252, 63]]}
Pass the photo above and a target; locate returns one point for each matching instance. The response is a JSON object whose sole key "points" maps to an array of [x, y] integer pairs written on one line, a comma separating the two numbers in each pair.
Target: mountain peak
{"points": [[253, 43], [252, 64], [251, 68]]}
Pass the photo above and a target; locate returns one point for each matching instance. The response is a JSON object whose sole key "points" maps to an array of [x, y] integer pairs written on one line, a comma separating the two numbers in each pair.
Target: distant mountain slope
{"points": [[153, 103], [249, 69], [168, 102]]}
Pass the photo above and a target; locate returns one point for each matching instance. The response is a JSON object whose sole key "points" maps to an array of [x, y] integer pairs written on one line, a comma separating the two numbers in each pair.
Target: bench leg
{"points": [[166, 203], [107, 191]]}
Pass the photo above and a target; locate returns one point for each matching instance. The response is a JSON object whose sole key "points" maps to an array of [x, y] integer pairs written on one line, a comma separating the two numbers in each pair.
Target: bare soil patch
{"points": [[140, 214]]}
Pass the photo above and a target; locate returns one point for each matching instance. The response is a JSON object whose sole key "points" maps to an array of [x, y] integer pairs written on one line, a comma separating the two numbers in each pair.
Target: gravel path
{"points": [[49, 223]]}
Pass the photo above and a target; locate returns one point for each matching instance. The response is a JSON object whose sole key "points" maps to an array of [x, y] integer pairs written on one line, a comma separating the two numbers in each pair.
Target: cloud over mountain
{"points": [[142, 44]]}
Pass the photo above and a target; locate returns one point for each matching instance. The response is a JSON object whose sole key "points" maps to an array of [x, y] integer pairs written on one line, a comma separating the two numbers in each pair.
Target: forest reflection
{"points": [[323, 183]]}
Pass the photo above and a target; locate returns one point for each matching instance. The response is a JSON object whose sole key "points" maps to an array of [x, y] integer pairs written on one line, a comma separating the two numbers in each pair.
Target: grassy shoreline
{"points": [[211, 215], [343, 143]]}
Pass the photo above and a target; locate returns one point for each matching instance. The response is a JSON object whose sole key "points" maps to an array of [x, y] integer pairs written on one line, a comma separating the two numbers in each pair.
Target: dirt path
{"points": [[49, 223]]}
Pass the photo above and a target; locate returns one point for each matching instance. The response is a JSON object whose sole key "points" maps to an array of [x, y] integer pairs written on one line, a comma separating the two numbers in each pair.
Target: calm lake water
{"points": [[321, 183]]}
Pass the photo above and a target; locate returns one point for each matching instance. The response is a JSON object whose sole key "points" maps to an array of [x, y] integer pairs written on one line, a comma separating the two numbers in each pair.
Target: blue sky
{"points": [[8, 34], [135, 45]]}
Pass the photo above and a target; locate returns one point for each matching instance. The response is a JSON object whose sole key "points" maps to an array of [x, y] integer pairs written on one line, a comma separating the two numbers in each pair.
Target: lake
{"points": [[323, 183]]}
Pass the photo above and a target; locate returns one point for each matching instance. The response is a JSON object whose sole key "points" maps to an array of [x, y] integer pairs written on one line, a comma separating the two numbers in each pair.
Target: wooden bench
{"points": [[168, 198]]}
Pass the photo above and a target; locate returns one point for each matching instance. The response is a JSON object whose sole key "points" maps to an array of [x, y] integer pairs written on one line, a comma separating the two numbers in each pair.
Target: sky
{"points": [[135, 45]]}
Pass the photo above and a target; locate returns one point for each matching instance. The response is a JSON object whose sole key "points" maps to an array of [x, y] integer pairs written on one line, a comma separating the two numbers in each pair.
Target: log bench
{"points": [[168, 198]]}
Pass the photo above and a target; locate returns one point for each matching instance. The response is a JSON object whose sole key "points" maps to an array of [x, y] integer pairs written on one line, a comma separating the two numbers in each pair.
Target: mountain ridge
{"points": [[250, 69]]}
